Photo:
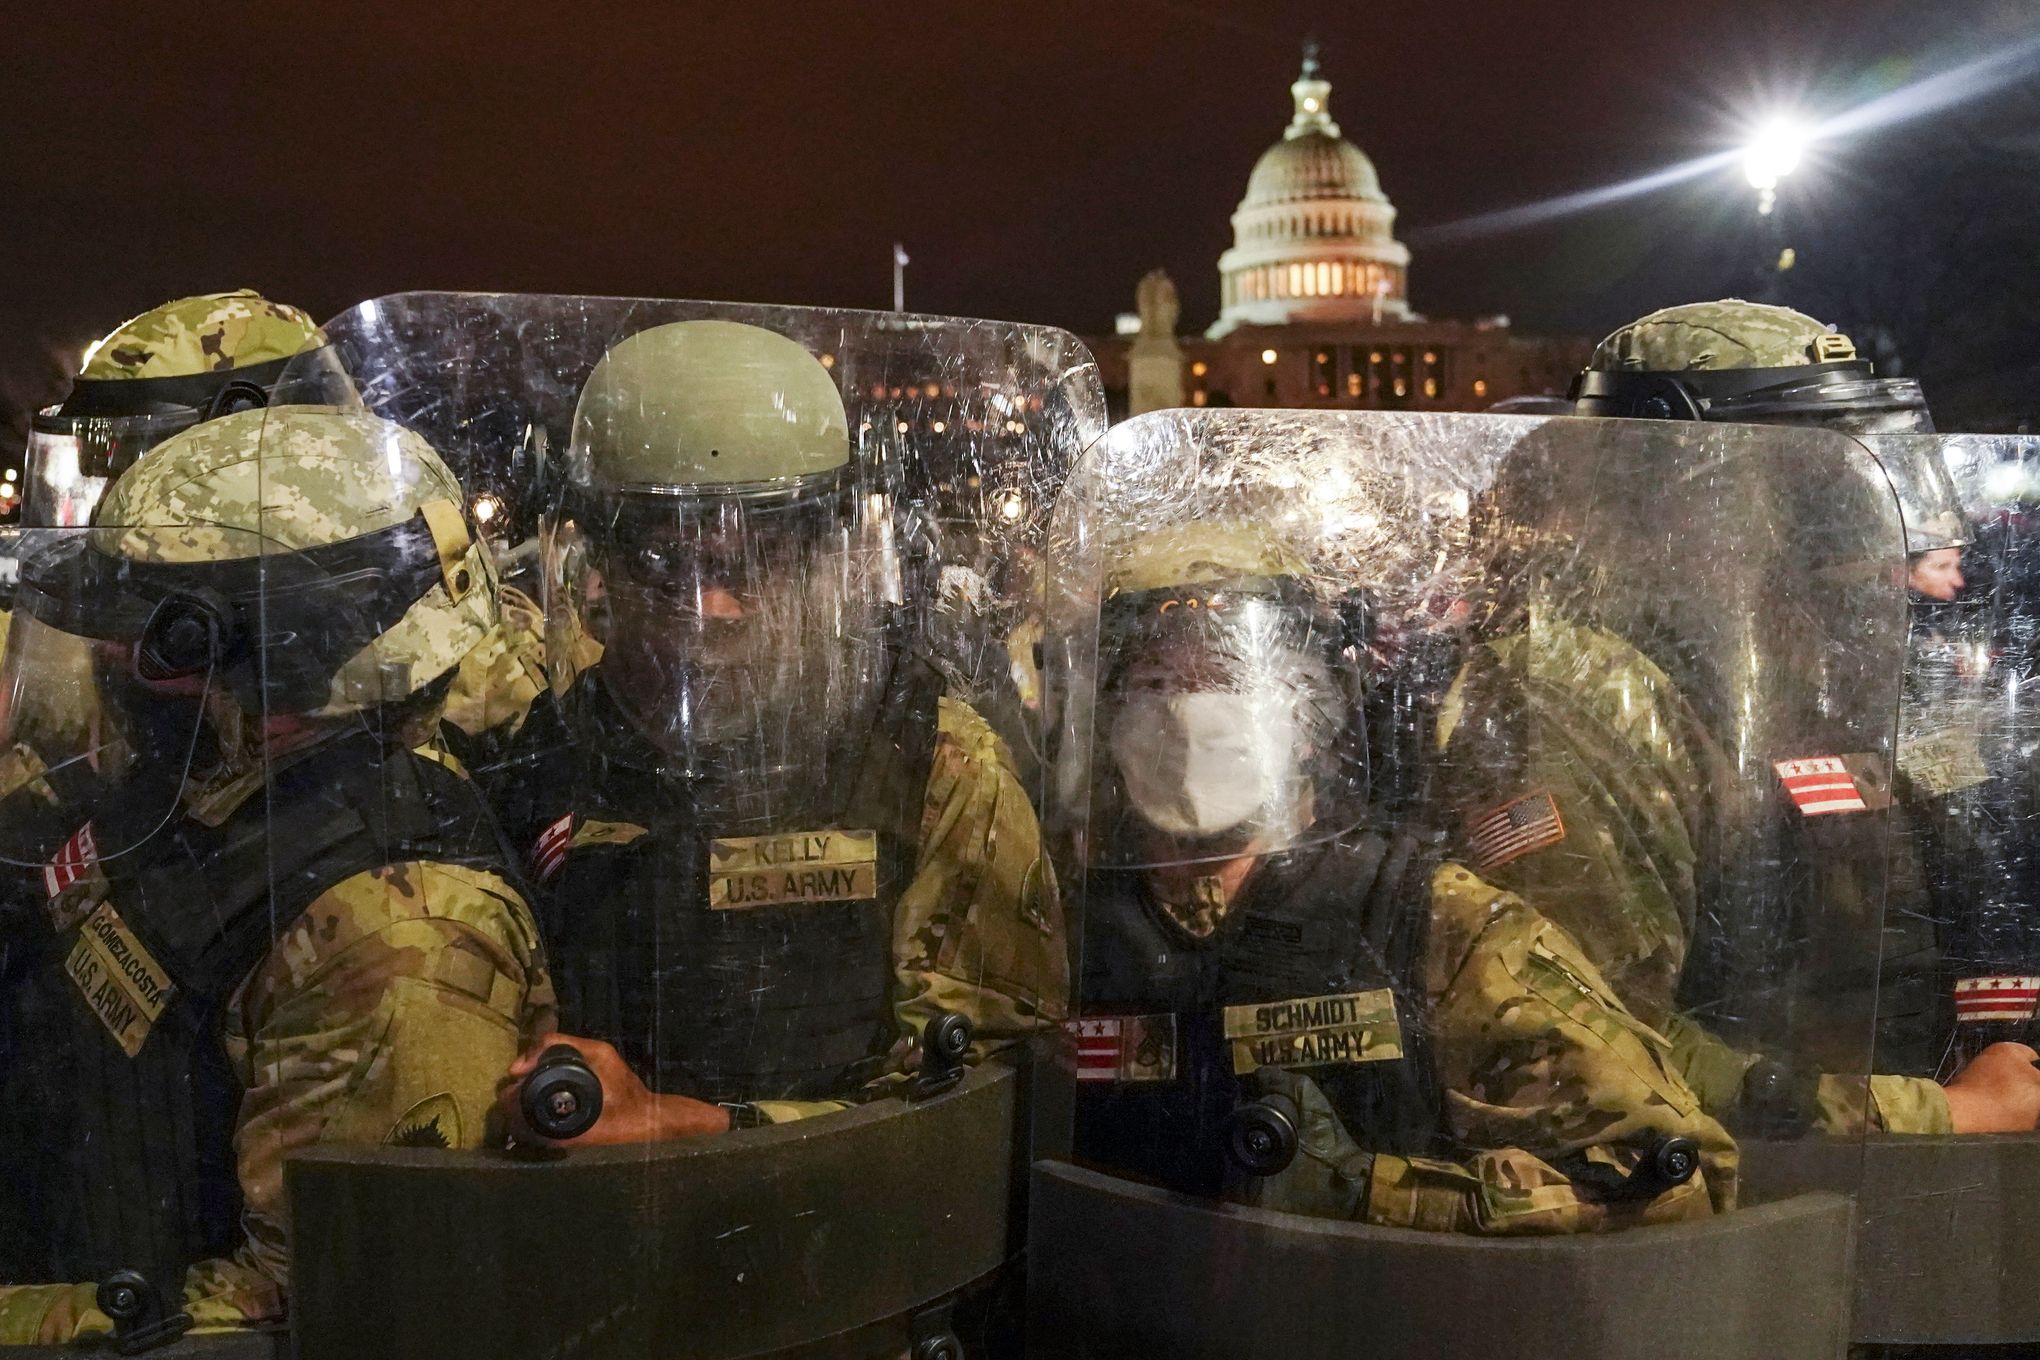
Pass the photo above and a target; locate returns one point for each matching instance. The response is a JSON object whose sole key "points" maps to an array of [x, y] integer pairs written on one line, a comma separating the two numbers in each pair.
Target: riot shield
{"points": [[770, 808], [1945, 1220], [220, 853], [1481, 824]]}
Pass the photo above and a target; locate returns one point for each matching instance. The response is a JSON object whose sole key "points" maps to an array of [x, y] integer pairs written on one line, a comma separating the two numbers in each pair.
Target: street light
{"points": [[1772, 154]]}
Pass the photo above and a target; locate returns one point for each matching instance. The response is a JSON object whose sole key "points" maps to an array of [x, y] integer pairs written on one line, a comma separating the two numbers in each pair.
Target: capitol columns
{"points": [[1155, 360]]}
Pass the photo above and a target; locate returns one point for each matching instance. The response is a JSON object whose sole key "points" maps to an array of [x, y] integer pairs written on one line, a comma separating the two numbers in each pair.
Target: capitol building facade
{"points": [[1314, 303]]}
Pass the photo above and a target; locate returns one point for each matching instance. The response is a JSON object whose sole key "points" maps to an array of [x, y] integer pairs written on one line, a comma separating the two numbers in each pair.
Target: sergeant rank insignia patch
{"points": [[813, 866], [1125, 1048]]}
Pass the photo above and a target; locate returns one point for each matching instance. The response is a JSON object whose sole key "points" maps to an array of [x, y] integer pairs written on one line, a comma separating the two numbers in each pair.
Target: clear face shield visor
{"points": [[738, 621], [1220, 709]]}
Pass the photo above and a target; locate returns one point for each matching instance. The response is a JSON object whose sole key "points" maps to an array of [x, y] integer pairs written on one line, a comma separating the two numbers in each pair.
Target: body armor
{"points": [[731, 963], [117, 1159], [1325, 920]]}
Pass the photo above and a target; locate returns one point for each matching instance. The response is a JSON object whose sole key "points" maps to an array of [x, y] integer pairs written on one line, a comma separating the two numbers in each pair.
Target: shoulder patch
{"points": [[549, 851], [1125, 1048], [1513, 830], [433, 1122], [1823, 785]]}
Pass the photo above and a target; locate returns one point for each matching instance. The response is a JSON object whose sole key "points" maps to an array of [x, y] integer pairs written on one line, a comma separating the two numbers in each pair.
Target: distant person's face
{"points": [[1936, 574]]}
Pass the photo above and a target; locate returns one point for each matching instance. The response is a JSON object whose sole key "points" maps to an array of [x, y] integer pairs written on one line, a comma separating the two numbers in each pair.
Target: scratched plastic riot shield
{"points": [[232, 881], [799, 924], [976, 424], [1481, 825]]}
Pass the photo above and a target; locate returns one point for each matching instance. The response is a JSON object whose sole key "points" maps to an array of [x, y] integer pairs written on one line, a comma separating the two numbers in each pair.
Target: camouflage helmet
{"points": [[1743, 361], [1201, 554], [696, 407], [209, 333], [161, 372], [318, 558], [1752, 362], [1234, 584]]}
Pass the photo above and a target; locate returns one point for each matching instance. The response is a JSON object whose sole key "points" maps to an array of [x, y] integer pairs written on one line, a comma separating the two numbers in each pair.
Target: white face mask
{"points": [[1197, 764]]}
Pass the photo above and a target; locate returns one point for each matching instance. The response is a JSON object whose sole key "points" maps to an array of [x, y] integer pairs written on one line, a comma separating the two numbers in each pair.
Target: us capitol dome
{"points": [[1314, 305], [1315, 237]]}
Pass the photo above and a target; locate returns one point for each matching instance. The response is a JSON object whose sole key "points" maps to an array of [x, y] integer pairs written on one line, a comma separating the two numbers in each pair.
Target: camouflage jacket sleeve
{"points": [[1540, 1063], [386, 1013], [1843, 1104], [1576, 722], [498, 681], [979, 930]]}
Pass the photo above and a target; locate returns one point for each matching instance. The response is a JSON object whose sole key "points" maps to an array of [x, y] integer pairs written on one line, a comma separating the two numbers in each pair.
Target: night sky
{"points": [[1035, 158]]}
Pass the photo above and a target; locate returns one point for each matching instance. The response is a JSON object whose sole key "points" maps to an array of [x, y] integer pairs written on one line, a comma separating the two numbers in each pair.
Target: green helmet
{"points": [[1747, 362], [709, 406], [317, 559], [159, 373], [738, 580]]}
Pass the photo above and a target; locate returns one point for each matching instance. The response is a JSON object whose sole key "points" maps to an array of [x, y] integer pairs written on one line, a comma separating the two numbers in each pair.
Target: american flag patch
{"points": [[1820, 784], [550, 852], [1996, 998], [1513, 830], [71, 862], [1125, 1048]]}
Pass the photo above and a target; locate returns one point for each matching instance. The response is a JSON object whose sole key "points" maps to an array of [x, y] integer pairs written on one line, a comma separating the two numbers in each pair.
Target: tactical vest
{"points": [[118, 1104], [734, 967], [1337, 928]]}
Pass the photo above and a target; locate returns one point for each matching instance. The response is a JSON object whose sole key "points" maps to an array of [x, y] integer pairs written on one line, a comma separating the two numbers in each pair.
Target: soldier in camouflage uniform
{"points": [[1748, 362], [192, 359], [773, 852], [161, 372], [286, 917], [1258, 856], [166, 370]]}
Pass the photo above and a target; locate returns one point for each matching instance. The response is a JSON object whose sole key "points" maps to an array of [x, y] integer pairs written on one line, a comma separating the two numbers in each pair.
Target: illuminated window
{"points": [[1353, 384], [1480, 387], [1375, 357], [1324, 279], [1197, 397], [1430, 356], [1430, 387], [1200, 368], [1296, 280], [1402, 389]]}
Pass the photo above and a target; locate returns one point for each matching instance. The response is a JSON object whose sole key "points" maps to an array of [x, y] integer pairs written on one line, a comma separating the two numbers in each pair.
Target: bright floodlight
{"points": [[1773, 153]]}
